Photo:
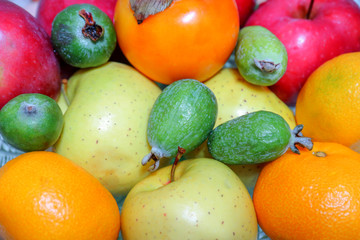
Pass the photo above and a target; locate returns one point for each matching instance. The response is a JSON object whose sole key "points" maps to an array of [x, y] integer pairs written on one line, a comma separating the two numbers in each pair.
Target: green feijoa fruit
{"points": [[182, 116], [31, 122], [260, 56], [83, 35], [256, 137]]}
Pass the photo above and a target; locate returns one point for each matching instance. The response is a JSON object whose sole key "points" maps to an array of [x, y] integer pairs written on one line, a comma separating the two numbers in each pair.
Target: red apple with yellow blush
{"points": [[313, 31], [27, 61]]}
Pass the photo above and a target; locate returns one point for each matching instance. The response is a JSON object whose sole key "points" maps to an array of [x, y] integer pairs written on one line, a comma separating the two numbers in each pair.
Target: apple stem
{"points": [[64, 90], [310, 9], [179, 154]]}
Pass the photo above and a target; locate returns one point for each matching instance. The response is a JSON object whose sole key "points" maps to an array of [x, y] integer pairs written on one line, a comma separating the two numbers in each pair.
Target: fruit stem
{"points": [[310, 9], [298, 138], [179, 154], [91, 29], [144, 8], [319, 154], [64, 84], [267, 66]]}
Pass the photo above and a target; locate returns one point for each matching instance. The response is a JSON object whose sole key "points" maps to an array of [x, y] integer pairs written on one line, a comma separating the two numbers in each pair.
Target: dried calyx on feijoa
{"points": [[83, 35]]}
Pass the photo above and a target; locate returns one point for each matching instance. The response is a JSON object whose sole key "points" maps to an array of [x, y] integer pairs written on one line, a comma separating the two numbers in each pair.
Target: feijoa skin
{"points": [[260, 56], [83, 35], [31, 122], [254, 138], [182, 116]]}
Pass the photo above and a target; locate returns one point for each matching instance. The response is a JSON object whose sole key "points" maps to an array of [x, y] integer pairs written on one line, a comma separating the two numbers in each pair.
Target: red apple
{"points": [[245, 8], [332, 28], [27, 61], [48, 9]]}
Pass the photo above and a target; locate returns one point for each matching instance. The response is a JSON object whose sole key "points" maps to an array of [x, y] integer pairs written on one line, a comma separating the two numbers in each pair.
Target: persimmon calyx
{"points": [[91, 29], [144, 8]]}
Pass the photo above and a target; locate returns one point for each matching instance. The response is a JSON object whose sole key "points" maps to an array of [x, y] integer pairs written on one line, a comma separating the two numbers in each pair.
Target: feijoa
{"points": [[255, 137], [260, 56], [182, 116], [83, 35], [31, 122]]}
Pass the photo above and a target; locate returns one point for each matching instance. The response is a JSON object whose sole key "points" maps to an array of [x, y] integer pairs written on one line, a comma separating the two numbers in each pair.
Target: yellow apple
{"points": [[105, 124], [206, 200]]}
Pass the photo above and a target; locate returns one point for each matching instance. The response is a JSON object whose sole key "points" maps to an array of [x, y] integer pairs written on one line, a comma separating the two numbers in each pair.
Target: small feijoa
{"points": [[83, 35], [182, 117], [31, 122], [255, 137], [260, 56]]}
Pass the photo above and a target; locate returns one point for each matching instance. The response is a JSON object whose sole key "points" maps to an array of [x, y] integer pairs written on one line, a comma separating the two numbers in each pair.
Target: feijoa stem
{"points": [[91, 29], [298, 138], [179, 154], [310, 9], [144, 8]]}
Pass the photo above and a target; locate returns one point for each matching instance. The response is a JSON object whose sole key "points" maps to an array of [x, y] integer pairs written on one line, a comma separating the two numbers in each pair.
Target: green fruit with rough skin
{"points": [[31, 122], [256, 137], [260, 56], [183, 116], [83, 35]]}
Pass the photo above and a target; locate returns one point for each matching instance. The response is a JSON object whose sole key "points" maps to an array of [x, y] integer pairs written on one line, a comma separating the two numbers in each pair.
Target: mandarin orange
{"points": [[45, 196], [328, 105], [312, 196]]}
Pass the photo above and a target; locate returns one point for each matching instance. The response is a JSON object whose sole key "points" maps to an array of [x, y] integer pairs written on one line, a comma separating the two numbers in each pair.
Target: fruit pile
{"points": [[186, 119]]}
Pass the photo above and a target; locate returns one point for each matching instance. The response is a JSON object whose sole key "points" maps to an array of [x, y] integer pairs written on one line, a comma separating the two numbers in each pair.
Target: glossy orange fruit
{"points": [[189, 39], [45, 196], [329, 103], [311, 196]]}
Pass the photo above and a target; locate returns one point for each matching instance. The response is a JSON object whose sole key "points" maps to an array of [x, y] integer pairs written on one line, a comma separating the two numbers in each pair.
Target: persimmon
{"points": [[187, 39]]}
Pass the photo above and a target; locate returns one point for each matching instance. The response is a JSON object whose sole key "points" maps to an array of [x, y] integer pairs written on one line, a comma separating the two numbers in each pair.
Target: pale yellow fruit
{"points": [[206, 201], [105, 124], [237, 97]]}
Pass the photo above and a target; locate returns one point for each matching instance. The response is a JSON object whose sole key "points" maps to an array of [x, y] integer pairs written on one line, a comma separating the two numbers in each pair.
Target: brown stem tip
{"points": [[144, 8], [181, 151]]}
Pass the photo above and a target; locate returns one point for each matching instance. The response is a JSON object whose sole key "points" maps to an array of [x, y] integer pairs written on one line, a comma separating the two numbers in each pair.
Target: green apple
{"points": [[206, 200], [237, 97], [105, 124]]}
